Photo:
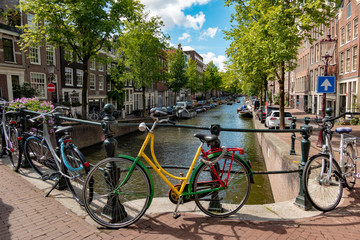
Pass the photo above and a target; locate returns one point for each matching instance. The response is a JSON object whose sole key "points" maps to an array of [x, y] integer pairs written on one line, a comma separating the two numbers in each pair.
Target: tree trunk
{"points": [[282, 96], [144, 101], [85, 88]]}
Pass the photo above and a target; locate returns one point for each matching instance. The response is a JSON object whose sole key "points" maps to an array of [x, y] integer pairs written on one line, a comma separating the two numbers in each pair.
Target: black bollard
{"points": [[113, 208], [301, 200], [293, 136]]}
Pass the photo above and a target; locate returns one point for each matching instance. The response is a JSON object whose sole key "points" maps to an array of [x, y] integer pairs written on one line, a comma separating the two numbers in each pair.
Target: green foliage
{"points": [[193, 76], [277, 99], [177, 74], [212, 77], [266, 36], [23, 91], [12, 17], [354, 121], [341, 121], [82, 27], [118, 92]]}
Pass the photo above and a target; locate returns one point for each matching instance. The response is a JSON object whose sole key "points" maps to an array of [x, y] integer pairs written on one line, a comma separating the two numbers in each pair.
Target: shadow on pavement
{"points": [[5, 211]]}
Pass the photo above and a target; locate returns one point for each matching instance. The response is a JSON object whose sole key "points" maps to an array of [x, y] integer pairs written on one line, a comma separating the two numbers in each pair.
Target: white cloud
{"points": [[188, 48], [210, 32], [185, 37], [172, 12], [217, 60]]}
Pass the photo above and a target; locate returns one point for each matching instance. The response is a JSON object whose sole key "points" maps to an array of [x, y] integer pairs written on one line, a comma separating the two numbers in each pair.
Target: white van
{"points": [[180, 105]]}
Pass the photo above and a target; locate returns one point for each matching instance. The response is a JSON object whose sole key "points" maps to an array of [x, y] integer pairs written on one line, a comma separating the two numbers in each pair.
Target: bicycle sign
{"points": [[325, 84]]}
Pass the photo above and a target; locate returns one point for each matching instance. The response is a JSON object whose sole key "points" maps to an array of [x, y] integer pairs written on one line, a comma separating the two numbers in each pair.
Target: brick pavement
{"points": [[26, 214]]}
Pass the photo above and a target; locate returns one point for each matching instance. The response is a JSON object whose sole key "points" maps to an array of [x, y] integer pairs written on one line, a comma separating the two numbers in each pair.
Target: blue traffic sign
{"points": [[325, 84]]}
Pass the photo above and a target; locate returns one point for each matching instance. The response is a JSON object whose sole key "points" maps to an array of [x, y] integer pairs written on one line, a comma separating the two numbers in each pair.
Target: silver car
{"points": [[273, 120]]}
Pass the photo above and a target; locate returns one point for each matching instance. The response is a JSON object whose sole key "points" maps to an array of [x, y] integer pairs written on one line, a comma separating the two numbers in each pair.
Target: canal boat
{"points": [[245, 111]]}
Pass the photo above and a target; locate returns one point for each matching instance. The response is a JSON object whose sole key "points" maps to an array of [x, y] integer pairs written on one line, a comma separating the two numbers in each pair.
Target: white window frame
{"points": [[355, 58], [355, 28], [101, 82], [92, 64], [100, 67], [69, 72], [92, 81], [48, 55], [34, 55], [348, 32], [38, 82], [347, 60], [79, 75]]}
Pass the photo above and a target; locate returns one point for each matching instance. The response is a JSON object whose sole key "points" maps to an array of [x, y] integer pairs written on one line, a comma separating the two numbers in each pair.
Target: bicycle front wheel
{"points": [[323, 188], [38, 155], [349, 165], [113, 206], [73, 165], [235, 174], [16, 153]]}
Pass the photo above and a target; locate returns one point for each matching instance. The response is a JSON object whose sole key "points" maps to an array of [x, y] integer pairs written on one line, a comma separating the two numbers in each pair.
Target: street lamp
{"points": [[51, 71], [327, 46]]}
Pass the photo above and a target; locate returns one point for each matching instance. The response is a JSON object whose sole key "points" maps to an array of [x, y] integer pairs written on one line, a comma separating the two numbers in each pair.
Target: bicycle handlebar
{"points": [[43, 115]]}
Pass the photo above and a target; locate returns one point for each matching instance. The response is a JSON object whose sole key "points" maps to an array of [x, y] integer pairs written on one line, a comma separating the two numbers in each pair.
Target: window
{"points": [[37, 81], [92, 81], [101, 67], [101, 82], [347, 66], [92, 64], [354, 58], [30, 20], [342, 36], [8, 50], [50, 55], [312, 55], [108, 86], [349, 10], [35, 55], [68, 76], [348, 32], [317, 54], [79, 77], [356, 27], [336, 28], [341, 67]]}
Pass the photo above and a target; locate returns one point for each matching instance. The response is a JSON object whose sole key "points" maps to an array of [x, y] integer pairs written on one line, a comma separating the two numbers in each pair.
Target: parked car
{"points": [[261, 114], [170, 110], [273, 120]]}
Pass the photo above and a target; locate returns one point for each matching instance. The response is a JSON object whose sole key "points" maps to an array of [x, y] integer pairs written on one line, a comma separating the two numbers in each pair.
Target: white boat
{"points": [[185, 114]]}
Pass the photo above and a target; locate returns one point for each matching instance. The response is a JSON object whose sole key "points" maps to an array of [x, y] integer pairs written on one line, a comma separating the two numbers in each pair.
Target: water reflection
{"points": [[177, 146]]}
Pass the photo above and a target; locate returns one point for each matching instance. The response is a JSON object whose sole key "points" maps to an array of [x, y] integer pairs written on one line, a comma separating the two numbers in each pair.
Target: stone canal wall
{"points": [[85, 135], [276, 154]]}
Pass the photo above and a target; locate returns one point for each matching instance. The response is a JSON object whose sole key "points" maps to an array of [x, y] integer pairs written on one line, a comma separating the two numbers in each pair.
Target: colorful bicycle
{"points": [[123, 187]]}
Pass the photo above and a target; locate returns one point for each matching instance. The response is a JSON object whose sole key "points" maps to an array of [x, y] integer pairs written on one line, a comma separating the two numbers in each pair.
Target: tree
{"points": [[81, 27], [177, 74], [212, 78], [193, 76], [272, 32], [142, 49]]}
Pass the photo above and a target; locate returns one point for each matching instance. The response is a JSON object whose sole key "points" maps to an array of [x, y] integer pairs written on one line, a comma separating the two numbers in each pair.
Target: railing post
{"points": [[111, 172], [62, 182], [293, 136], [24, 161], [301, 200]]}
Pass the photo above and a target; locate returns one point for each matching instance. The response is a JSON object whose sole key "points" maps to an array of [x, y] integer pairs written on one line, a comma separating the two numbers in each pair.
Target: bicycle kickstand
{"points": [[55, 185], [176, 212]]}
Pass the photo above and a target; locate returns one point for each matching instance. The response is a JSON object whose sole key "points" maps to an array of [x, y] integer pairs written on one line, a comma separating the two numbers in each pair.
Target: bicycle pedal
{"points": [[176, 215]]}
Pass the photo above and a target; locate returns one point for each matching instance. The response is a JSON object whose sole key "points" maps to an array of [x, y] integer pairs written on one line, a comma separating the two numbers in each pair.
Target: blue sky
{"points": [[196, 24]]}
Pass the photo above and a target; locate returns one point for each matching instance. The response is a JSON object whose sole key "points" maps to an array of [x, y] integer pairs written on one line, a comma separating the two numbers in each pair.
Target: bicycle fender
{"points": [[147, 172]]}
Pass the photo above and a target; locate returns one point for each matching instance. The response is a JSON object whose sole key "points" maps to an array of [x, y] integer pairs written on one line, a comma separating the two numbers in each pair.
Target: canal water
{"points": [[177, 147]]}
